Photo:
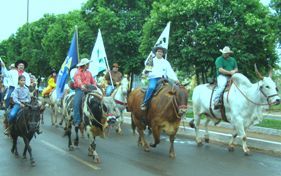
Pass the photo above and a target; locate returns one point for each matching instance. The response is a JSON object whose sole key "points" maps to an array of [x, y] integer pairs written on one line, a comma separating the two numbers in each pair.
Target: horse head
{"points": [[32, 114], [268, 88], [124, 86], [181, 99]]}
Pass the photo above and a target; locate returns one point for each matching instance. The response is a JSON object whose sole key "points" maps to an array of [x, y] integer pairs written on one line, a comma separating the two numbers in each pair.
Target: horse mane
{"points": [[241, 80]]}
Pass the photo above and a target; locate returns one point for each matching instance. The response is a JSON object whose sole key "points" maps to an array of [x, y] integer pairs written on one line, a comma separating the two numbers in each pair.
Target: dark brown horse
{"points": [[164, 113], [26, 125]]}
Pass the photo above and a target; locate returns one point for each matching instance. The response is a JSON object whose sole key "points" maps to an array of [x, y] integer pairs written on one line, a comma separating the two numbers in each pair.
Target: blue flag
{"points": [[70, 62]]}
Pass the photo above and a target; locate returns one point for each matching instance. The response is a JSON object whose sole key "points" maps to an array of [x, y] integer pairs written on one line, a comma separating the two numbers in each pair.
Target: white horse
{"points": [[120, 98], [55, 106], [244, 103]]}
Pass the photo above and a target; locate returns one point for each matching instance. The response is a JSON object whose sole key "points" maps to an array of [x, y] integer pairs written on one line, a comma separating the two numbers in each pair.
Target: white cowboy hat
{"points": [[83, 61], [226, 50], [154, 49]]}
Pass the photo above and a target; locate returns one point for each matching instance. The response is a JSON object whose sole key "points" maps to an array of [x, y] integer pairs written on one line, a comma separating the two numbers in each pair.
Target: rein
{"points": [[176, 107], [92, 115], [259, 104]]}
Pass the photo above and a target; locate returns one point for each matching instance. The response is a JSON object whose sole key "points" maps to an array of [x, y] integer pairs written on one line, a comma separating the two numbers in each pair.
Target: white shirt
{"points": [[13, 76], [161, 67]]}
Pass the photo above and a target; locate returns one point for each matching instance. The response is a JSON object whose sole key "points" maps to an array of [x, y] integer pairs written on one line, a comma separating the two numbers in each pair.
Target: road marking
{"points": [[71, 155]]}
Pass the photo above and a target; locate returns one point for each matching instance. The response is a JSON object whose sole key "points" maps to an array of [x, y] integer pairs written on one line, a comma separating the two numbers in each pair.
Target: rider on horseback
{"points": [[51, 83], [20, 96], [82, 79], [116, 78], [161, 68]]}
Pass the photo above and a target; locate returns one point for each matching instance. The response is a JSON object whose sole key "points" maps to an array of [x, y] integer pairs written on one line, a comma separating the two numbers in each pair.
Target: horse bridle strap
{"points": [[267, 97], [260, 104], [92, 115]]}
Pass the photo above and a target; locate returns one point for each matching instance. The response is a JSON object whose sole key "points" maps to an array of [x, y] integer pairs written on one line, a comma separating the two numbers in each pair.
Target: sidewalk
{"points": [[265, 139]]}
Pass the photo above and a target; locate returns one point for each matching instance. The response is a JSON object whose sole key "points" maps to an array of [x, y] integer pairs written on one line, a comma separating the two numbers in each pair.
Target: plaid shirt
{"points": [[21, 94], [83, 78]]}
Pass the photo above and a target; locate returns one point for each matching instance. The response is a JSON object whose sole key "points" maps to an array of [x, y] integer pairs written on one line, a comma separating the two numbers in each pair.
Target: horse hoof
{"points": [[172, 155], [230, 148], [97, 160], [76, 143], [24, 157], [153, 145], [199, 144], [71, 148], [16, 154], [146, 149], [33, 163], [207, 140], [247, 153]]}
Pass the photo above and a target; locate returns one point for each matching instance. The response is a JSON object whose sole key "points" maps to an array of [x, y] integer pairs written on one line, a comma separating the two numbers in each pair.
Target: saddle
{"points": [[221, 100]]}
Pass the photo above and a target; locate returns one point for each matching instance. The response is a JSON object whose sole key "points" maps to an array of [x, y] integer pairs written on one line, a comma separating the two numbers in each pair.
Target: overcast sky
{"points": [[13, 13]]}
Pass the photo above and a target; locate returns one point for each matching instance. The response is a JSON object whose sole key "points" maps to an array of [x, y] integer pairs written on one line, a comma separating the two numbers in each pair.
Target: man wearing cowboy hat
{"points": [[116, 78], [82, 78], [161, 68], [13, 75], [226, 66]]}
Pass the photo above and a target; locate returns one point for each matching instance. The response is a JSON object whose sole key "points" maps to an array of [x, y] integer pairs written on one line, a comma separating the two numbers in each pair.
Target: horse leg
{"points": [[207, 139], [172, 151], [67, 132], [81, 128], [142, 141], [196, 127], [14, 147], [92, 147], [231, 142], [241, 132], [27, 141], [133, 126], [119, 122], [76, 140], [156, 135]]}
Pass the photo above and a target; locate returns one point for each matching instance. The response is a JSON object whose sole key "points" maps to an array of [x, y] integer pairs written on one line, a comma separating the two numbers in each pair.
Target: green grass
{"points": [[266, 123], [275, 108], [270, 123]]}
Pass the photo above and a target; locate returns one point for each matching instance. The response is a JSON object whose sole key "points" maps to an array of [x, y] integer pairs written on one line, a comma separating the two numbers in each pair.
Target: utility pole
{"points": [[27, 12]]}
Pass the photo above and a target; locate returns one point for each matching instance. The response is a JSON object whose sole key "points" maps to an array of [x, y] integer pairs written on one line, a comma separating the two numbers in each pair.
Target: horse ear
{"points": [[258, 73]]}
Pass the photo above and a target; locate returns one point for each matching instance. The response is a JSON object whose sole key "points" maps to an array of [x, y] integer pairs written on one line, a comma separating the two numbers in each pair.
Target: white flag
{"points": [[98, 57], [163, 40]]}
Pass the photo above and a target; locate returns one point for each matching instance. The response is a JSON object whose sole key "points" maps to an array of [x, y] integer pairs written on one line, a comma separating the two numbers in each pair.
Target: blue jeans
{"points": [[109, 89], [9, 92], [76, 106], [152, 83], [13, 112]]}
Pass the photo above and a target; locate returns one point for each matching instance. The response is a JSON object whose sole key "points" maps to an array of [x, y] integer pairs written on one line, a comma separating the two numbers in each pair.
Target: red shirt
{"points": [[83, 78]]}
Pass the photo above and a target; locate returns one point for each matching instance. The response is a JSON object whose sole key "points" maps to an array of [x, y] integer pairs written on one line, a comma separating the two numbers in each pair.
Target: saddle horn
{"points": [[258, 73]]}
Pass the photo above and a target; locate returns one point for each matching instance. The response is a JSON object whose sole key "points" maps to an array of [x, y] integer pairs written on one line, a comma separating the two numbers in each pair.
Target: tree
{"points": [[199, 28]]}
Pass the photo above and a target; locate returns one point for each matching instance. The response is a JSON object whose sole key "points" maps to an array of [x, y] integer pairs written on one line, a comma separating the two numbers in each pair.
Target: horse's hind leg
{"points": [[76, 140], [231, 142], [68, 133], [207, 139]]}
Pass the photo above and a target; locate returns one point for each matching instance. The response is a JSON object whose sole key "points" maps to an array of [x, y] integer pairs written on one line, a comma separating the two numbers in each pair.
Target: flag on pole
{"points": [[99, 60], [163, 40], [70, 62]]}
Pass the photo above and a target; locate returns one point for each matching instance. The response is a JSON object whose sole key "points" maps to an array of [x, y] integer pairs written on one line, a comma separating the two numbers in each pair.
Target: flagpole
{"points": [[77, 47], [108, 68]]}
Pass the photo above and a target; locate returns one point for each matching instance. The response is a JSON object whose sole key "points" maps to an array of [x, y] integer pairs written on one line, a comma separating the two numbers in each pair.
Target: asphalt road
{"points": [[120, 155]]}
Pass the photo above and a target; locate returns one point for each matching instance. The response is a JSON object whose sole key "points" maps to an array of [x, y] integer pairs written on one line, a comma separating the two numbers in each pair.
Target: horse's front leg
{"points": [[92, 147], [172, 150], [26, 142], [14, 147], [67, 133], [156, 135]]}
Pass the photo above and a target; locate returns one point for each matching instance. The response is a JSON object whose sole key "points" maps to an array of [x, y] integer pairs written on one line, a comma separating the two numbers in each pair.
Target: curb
{"points": [[268, 146]]}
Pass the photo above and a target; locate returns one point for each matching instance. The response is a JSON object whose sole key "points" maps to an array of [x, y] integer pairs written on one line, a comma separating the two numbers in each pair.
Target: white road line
{"points": [[71, 155]]}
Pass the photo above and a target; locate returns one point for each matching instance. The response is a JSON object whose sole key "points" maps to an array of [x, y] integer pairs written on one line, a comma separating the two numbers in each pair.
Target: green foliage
{"points": [[271, 123]]}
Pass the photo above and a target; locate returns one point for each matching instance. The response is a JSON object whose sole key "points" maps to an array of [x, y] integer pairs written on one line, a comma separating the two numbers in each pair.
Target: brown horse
{"points": [[164, 113]]}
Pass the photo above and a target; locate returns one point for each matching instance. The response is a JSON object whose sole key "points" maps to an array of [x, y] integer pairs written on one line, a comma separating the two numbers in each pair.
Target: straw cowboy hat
{"points": [[226, 50], [21, 62], [83, 61], [154, 49]]}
